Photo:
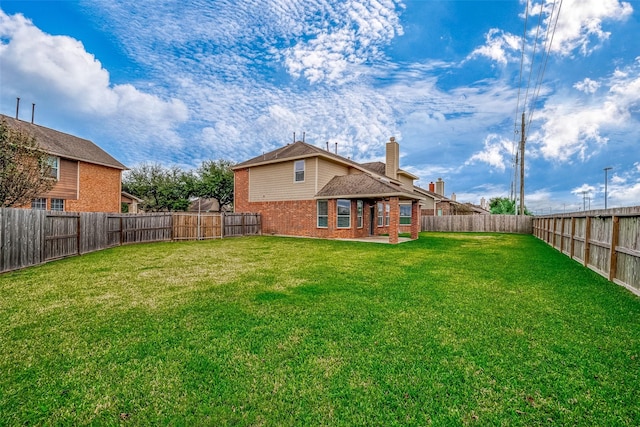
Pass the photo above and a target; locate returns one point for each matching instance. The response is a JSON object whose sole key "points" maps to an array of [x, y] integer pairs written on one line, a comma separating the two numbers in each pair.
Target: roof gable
{"points": [[64, 145], [288, 152]]}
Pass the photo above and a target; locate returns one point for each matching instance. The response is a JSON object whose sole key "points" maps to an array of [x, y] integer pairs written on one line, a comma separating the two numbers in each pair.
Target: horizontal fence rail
{"points": [[478, 223], [607, 241], [30, 237]]}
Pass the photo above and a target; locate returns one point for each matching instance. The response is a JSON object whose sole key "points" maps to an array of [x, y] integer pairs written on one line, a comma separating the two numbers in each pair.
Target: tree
{"points": [[24, 167], [162, 189], [504, 206], [215, 180]]}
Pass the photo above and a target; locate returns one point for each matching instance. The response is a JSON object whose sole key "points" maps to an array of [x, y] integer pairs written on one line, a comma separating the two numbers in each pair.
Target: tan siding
{"points": [[275, 182], [327, 170], [427, 204], [406, 181], [67, 185]]}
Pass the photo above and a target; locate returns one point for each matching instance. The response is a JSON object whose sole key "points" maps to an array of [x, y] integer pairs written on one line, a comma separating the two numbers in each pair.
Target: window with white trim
{"points": [[54, 167], [344, 213], [380, 214], [323, 213], [298, 171], [39, 204], [405, 214], [387, 208], [57, 204], [360, 210]]}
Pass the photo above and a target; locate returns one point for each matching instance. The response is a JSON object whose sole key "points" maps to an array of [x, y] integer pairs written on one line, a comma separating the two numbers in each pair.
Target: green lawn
{"points": [[452, 329]]}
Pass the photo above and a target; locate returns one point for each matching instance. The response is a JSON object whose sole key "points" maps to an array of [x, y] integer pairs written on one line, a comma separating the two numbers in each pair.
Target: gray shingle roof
{"points": [[64, 145], [296, 150], [377, 167], [362, 186]]}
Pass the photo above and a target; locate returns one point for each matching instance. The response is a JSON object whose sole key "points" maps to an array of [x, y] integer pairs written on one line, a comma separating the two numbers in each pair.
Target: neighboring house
{"points": [[132, 202], [87, 178], [208, 205], [439, 205], [303, 190]]}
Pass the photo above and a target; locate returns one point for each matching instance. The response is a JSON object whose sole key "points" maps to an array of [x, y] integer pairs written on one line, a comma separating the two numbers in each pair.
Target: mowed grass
{"points": [[452, 329]]}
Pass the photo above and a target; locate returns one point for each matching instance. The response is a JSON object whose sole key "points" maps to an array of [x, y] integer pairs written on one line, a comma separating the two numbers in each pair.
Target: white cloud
{"points": [[625, 196], [570, 128], [584, 188], [580, 25], [61, 75], [500, 47], [587, 86], [497, 152], [335, 53]]}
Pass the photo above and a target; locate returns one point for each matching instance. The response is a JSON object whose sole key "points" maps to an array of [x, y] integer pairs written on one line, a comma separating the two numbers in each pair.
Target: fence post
{"points": [[613, 256], [561, 234], [79, 239], [222, 224], [587, 237], [573, 233]]}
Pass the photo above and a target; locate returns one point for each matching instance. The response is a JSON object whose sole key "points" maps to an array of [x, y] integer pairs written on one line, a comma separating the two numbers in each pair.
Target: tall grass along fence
{"points": [[478, 223], [606, 241], [31, 237]]}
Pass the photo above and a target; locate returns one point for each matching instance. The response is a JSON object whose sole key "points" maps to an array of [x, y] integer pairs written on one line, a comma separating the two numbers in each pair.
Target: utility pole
{"points": [[584, 200], [522, 140]]}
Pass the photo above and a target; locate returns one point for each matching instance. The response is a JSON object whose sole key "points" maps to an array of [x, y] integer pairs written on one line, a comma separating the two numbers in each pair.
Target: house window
{"points": [[360, 208], [380, 214], [39, 204], [405, 214], [323, 214], [387, 209], [344, 213], [439, 212], [54, 167], [57, 204], [298, 169]]}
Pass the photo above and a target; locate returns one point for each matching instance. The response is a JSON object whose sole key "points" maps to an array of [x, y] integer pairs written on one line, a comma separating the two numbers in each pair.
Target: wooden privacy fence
{"points": [[607, 242], [478, 223], [31, 237]]}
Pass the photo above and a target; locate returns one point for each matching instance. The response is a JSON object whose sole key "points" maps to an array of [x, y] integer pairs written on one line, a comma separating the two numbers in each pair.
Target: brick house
{"points": [[303, 190], [436, 204], [87, 178]]}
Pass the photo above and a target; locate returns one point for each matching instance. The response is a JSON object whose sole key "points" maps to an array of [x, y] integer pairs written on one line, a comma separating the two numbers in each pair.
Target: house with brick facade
{"points": [[87, 178], [303, 190]]}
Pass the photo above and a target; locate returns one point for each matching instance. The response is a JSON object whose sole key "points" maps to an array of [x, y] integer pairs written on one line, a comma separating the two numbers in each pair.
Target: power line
{"points": [[546, 59], [533, 56], [514, 152]]}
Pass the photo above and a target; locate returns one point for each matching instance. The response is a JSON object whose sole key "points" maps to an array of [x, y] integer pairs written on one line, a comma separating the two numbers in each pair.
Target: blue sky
{"points": [[185, 81]]}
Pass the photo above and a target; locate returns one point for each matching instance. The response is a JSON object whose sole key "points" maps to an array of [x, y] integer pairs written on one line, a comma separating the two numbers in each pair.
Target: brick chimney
{"points": [[393, 159], [432, 187], [440, 187]]}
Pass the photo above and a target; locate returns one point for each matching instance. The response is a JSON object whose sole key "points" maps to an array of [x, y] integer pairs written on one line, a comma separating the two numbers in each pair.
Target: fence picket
{"points": [[30, 237], [606, 241], [478, 223]]}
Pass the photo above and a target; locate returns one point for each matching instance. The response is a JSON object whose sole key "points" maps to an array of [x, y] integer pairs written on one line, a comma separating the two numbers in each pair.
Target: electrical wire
{"points": [[514, 151], [544, 66]]}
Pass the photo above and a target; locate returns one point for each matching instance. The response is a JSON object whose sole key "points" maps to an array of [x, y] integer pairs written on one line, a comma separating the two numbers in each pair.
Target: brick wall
{"points": [[299, 217], [98, 190]]}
